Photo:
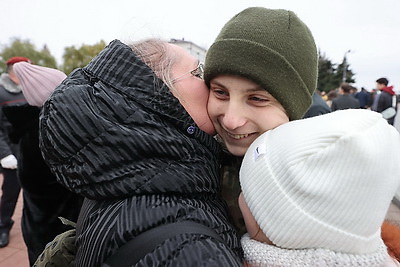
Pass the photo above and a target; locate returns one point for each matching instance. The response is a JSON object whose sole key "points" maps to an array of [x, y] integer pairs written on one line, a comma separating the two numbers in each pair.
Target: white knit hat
{"points": [[324, 182], [37, 82]]}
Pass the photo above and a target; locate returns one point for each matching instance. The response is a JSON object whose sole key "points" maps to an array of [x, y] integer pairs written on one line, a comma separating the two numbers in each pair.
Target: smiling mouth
{"points": [[238, 136]]}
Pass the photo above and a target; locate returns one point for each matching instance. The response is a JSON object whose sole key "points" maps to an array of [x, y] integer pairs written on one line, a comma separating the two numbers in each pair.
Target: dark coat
{"points": [[114, 133], [344, 101], [385, 101], [44, 199], [364, 98], [318, 107], [8, 146]]}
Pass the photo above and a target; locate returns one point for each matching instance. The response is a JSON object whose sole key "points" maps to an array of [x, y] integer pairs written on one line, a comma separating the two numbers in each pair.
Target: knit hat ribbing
{"points": [[37, 82], [273, 48], [324, 182]]}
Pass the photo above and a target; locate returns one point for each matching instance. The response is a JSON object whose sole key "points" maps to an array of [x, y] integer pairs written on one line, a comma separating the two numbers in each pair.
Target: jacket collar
{"points": [[9, 85]]}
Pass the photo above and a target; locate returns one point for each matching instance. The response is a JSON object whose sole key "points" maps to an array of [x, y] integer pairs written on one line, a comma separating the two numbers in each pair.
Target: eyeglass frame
{"points": [[197, 72]]}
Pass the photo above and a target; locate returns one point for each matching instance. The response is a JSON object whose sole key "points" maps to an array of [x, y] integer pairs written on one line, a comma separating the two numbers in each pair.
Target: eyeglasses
{"points": [[197, 72]]}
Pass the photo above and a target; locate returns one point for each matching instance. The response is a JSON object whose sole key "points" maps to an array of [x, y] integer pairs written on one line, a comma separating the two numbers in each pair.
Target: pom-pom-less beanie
{"points": [[37, 82], [324, 182], [14, 60], [273, 48]]}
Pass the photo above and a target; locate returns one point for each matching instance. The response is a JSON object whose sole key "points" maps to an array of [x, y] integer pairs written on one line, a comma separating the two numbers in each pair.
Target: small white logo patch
{"points": [[260, 150]]}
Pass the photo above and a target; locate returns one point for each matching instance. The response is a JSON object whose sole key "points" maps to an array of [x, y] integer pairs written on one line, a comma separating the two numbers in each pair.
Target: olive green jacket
{"points": [[230, 189]]}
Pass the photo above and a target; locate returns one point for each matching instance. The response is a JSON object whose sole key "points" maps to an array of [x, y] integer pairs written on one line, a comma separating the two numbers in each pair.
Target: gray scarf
{"points": [[261, 254], [9, 85]]}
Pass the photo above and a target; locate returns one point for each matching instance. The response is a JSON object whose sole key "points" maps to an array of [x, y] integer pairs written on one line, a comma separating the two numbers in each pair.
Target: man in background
{"points": [[318, 106], [345, 100], [364, 97], [10, 94], [387, 97]]}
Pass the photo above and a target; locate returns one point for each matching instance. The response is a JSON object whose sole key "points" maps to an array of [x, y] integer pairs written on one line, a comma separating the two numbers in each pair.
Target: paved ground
{"points": [[15, 254]]}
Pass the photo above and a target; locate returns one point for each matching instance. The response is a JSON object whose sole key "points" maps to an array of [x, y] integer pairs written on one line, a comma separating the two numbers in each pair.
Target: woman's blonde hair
{"points": [[158, 57]]}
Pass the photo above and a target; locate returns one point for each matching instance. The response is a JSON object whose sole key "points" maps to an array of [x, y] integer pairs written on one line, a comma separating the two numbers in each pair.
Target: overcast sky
{"points": [[369, 28]]}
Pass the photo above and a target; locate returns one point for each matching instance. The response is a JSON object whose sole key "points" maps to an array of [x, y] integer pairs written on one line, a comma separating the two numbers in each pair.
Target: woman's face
{"points": [[241, 111], [190, 88]]}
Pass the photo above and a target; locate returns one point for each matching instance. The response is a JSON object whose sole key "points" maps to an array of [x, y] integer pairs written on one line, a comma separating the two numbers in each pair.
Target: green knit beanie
{"points": [[273, 48]]}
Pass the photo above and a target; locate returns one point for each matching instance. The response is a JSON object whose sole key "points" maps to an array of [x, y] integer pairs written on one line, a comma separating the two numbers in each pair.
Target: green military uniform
{"points": [[61, 251], [230, 189]]}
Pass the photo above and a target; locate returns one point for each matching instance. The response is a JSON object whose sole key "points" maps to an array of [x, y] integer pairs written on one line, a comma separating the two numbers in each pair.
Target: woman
{"points": [[262, 72], [130, 132]]}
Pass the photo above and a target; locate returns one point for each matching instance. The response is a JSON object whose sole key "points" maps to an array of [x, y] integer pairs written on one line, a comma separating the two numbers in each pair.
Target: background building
{"points": [[195, 50]]}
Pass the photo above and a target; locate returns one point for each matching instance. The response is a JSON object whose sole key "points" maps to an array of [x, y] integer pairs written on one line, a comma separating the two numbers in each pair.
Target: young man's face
{"points": [[241, 111], [380, 86]]}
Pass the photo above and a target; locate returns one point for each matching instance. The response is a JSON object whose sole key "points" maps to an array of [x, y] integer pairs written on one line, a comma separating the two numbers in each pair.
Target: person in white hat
{"points": [[44, 199], [37, 82], [10, 95], [315, 191]]}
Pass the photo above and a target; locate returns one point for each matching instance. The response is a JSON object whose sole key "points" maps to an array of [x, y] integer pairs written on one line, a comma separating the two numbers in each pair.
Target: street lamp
{"points": [[345, 66]]}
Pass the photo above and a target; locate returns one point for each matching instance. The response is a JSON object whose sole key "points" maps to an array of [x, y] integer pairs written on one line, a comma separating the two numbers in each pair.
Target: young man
{"points": [[261, 71], [387, 97]]}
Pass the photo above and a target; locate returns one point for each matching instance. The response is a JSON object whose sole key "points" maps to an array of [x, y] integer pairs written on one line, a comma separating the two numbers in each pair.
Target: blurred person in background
{"points": [[345, 100], [387, 97], [318, 106], [44, 198], [364, 97], [10, 95]]}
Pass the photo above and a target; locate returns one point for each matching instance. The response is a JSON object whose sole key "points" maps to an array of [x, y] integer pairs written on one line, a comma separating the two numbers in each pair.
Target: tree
{"points": [[24, 48], [80, 57], [326, 74], [344, 72], [331, 75]]}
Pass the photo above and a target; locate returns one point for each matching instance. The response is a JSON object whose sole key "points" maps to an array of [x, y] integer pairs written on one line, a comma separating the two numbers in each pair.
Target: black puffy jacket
{"points": [[114, 133]]}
